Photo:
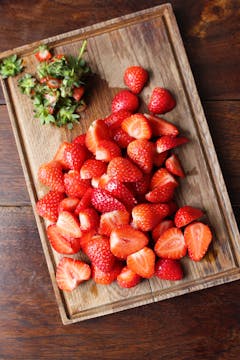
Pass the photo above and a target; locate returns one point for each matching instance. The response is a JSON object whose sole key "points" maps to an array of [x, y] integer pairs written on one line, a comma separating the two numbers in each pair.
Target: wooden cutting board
{"points": [[150, 38]]}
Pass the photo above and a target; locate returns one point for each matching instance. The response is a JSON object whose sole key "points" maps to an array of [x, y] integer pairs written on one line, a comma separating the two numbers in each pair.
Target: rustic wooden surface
{"points": [[200, 325]]}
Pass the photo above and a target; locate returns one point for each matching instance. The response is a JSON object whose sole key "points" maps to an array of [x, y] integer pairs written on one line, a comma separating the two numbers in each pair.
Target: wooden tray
{"points": [[150, 38]]}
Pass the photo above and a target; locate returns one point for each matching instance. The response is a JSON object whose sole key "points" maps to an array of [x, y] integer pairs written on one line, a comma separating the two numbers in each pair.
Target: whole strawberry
{"points": [[135, 77], [125, 100], [161, 101]]}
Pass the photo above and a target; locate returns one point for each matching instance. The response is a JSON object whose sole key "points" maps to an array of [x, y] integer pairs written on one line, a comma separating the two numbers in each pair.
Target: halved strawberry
{"points": [[137, 126], [168, 269], [125, 240], [74, 185], [78, 92], [168, 142], [110, 220], [115, 119], [128, 278], [198, 237], [158, 159], [98, 251], [68, 225], [106, 278], [85, 202], [80, 139], [74, 156], [161, 194], [103, 201], [147, 216], [89, 219], [121, 192], [48, 205], [160, 228], [171, 244], [162, 177], [85, 239], [121, 137], [70, 273], [97, 131], [142, 262], [187, 214], [51, 175], [161, 126], [106, 150], [92, 168], [174, 166], [141, 153], [59, 156], [125, 100], [123, 170], [68, 204], [161, 101], [43, 53], [135, 77], [62, 244], [141, 186]]}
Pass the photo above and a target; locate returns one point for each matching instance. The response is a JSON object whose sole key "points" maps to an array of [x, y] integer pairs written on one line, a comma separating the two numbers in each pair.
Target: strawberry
{"points": [[100, 182], [123, 170], [158, 159], [172, 208], [174, 166], [110, 220], [85, 239], [89, 219], [147, 216], [168, 269], [62, 244], [121, 193], [197, 236], [128, 278], [92, 168], [107, 150], [187, 214], [68, 204], [161, 101], [162, 177], [85, 202], [78, 92], [74, 156], [125, 100], [121, 137], [98, 251], [70, 273], [171, 244], [115, 119], [141, 186], [103, 201], [125, 240], [161, 126], [51, 175], [168, 142], [142, 262], [161, 194], [80, 139], [137, 126], [160, 228], [135, 77], [43, 54], [74, 185], [106, 278], [141, 153], [59, 156], [68, 225], [48, 205], [97, 131]]}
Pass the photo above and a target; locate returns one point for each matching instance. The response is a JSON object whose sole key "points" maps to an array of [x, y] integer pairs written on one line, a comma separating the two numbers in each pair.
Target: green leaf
{"points": [[10, 66], [27, 84]]}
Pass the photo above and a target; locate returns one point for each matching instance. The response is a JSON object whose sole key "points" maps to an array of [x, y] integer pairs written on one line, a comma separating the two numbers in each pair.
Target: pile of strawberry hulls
{"points": [[112, 194]]}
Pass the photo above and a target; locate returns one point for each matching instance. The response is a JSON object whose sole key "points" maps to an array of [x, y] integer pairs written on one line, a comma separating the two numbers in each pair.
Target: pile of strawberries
{"points": [[111, 196]]}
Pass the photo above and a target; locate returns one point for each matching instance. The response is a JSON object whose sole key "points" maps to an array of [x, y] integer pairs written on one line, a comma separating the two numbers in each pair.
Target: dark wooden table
{"points": [[202, 325]]}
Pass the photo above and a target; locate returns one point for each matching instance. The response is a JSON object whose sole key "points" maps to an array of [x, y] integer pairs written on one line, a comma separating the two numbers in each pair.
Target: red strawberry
{"points": [[161, 126], [74, 156], [147, 216], [161, 194], [187, 214], [97, 131], [74, 185], [59, 156], [125, 240], [51, 175], [137, 126], [197, 236], [141, 153], [68, 204], [142, 262], [70, 273], [168, 142], [135, 77], [92, 168], [128, 278], [62, 244], [101, 181], [161, 101], [162, 177], [125, 100], [121, 192], [110, 220], [171, 244], [121, 137], [106, 278], [85, 239], [42, 53], [78, 92], [160, 228], [85, 202], [107, 150], [115, 120], [141, 186], [103, 201], [123, 170], [168, 269], [48, 205], [80, 139], [174, 166], [68, 225], [98, 251], [158, 159], [89, 219], [172, 208]]}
